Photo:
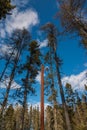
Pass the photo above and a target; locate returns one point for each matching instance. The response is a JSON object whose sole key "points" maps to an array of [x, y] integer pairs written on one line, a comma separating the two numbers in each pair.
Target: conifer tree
{"points": [[35, 118], [73, 17], [20, 39], [50, 82], [5, 8], [58, 118], [7, 57], [49, 118], [51, 31], [70, 96], [8, 119], [17, 117], [30, 118], [31, 67]]}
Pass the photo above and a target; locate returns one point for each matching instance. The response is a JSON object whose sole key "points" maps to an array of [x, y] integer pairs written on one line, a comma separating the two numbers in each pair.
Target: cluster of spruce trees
{"points": [[54, 117], [23, 59]]}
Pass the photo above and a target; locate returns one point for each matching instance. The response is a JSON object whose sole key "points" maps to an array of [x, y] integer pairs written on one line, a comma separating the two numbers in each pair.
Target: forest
{"points": [[22, 59]]}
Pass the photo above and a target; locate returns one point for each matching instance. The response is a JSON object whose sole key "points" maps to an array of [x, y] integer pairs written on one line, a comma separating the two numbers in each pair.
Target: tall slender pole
{"points": [[42, 97]]}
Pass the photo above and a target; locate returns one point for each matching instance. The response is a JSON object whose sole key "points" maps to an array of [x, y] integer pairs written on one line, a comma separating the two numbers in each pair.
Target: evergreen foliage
{"points": [[23, 62], [5, 8]]}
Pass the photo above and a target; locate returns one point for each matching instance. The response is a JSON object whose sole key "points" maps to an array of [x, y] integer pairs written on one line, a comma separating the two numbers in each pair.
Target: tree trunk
{"points": [[25, 99], [6, 96], [55, 119], [68, 125], [10, 83], [42, 98], [24, 109], [6, 65], [8, 90]]}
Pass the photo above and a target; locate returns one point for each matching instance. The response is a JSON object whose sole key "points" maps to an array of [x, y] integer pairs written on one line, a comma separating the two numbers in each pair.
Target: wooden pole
{"points": [[42, 97]]}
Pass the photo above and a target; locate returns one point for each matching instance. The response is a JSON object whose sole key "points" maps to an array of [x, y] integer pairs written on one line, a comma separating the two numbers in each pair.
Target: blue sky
{"points": [[32, 14]]}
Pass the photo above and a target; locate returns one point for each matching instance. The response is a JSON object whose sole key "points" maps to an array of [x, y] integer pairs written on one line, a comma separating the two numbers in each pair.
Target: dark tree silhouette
{"points": [[5, 8], [51, 31], [73, 17]]}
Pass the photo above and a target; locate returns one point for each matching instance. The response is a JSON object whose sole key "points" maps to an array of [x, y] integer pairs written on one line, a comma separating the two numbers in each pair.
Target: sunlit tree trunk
{"points": [[52, 42]]}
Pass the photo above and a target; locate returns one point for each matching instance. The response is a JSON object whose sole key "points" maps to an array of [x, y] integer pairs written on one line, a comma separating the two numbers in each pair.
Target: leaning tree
{"points": [[73, 17], [52, 33]]}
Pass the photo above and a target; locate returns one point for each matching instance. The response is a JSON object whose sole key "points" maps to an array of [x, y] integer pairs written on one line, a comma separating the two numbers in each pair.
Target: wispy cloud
{"points": [[85, 64], [20, 20], [2, 33], [26, 19], [43, 43], [7, 50], [77, 81], [38, 78], [4, 49], [4, 84]]}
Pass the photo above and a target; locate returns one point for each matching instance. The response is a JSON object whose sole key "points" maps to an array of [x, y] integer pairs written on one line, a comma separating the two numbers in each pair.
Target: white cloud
{"points": [[38, 78], [43, 43], [2, 33], [85, 64], [77, 81], [20, 20], [38, 104], [14, 85], [33, 104], [4, 49]]}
